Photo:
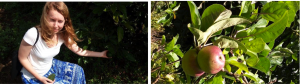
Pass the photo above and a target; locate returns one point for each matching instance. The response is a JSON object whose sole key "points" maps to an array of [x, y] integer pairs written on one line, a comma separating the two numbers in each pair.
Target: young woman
{"points": [[37, 59]]}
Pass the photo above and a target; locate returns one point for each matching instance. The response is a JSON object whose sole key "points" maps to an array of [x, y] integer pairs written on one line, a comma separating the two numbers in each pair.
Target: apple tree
{"points": [[252, 42]]}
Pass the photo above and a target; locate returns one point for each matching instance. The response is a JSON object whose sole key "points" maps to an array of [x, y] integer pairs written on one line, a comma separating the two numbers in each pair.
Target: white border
{"points": [[149, 42]]}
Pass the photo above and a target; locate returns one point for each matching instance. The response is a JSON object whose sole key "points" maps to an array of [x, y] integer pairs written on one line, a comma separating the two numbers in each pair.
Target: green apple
{"points": [[211, 59], [190, 65]]}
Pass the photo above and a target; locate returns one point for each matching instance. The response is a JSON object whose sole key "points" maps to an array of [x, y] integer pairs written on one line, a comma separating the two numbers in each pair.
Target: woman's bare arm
{"points": [[79, 51], [24, 51]]}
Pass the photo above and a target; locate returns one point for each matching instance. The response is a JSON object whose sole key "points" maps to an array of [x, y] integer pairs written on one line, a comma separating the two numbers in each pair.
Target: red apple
{"points": [[211, 59], [190, 65]]}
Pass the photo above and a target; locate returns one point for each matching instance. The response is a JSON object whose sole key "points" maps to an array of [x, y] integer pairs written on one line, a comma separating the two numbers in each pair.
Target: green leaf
{"points": [[276, 60], [293, 8], [217, 79], [233, 61], [85, 47], [266, 51], [273, 11], [269, 33], [51, 77], [195, 16], [162, 19], [292, 82], [89, 41], [260, 24], [176, 8], [229, 77], [129, 27], [225, 23], [120, 34], [169, 10], [163, 40], [254, 77], [171, 44], [198, 34], [163, 64], [225, 43], [246, 9], [253, 59], [256, 45], [227, 67], [295, 57], [254, 15], [210, 15], [177, 50], [293, 5], [188, 78], [173, 57], [224, 15], [263, 65]]}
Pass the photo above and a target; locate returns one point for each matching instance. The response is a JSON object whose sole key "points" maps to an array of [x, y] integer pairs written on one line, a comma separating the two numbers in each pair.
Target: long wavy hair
{"points": [[67, 32]]}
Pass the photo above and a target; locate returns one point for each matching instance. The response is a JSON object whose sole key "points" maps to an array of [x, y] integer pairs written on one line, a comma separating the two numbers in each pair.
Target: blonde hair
{"points": [[67, 32]]}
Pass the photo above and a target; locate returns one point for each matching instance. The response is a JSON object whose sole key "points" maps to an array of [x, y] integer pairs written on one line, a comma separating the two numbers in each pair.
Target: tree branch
{"points": [[235, 76], [156, 80]]}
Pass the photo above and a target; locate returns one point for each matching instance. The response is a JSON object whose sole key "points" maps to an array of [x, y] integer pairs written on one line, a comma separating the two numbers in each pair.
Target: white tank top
{"points": [[41, 55]]}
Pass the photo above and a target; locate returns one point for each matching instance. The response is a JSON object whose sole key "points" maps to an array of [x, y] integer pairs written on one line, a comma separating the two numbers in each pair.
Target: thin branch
{"points": [[156, 80], [245, 80], [273, 81], [166, 65], [155, 2], [235, 76]]}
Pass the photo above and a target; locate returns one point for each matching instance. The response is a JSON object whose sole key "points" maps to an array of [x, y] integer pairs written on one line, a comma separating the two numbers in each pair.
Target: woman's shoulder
{"points": [[32, 30]]}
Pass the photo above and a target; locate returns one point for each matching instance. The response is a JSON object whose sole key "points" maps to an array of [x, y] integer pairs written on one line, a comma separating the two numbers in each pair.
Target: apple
{"points": [[190, 65], [211, 59]]}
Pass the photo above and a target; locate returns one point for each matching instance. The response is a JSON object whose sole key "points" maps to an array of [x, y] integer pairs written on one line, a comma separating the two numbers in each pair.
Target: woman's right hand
{"points": [[45, 80]]}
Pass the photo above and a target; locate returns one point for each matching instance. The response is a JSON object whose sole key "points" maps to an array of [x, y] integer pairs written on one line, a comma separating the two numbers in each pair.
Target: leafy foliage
{"points": [[255, 38]]}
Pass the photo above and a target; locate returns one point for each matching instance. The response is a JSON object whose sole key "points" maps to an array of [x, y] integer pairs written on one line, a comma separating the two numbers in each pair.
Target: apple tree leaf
{"points": [[217, 79], [256, 45], [211, 14], [220, 25], [253, 59], [254, 77], [171, 44], [195, 16], [263, 65], [163, 40], [120, 33], [233, 61], [228, 42], [177, 50], [173, 57], [269, 33]]}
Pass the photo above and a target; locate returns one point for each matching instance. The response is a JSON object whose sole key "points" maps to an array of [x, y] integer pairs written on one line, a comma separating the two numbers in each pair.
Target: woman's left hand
{"points": [[104, 54]]}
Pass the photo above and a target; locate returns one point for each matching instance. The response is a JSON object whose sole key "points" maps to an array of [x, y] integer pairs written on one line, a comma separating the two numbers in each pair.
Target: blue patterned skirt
{"points": [[66, 73]]}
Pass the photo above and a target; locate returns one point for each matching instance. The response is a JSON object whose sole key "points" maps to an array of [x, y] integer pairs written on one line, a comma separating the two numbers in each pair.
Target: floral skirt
{"points": [[66, 73]]}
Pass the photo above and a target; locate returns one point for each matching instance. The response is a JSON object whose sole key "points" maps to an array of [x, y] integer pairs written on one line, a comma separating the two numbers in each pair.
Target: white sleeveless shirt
{"points": [[41, 55]]}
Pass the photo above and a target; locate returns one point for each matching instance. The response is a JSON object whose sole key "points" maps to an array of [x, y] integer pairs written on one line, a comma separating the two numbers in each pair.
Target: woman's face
{"points": [[56, 20]]}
